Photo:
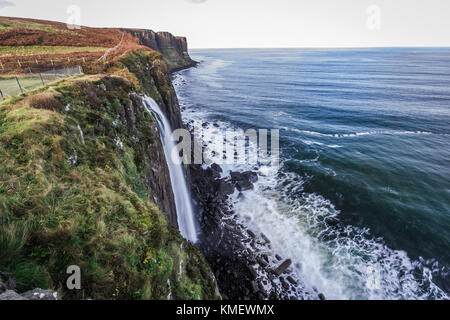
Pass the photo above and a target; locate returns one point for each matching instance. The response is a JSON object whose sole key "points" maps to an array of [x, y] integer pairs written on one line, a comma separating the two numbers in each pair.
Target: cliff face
{"points": [[174, 49], [84, 181]]}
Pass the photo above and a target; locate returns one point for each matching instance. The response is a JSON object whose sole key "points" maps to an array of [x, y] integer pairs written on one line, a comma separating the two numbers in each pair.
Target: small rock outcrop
{"points": [[8, 291], [11, 295], [39, 294]]}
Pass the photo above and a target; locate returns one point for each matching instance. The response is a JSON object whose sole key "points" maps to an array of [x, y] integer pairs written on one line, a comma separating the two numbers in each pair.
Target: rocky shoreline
{"points": [[243, 262]]}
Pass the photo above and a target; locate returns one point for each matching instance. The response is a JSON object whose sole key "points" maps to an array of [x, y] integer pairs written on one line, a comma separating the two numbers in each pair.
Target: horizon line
{"points": [[309, 47]]}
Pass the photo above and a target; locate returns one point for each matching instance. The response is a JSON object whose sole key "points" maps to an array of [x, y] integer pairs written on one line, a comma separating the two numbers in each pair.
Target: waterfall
{"points": [[185, 212], [81, 133]]}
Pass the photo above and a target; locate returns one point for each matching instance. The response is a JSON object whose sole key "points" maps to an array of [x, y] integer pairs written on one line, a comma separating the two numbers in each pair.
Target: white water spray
{"points": [[185, 212]]}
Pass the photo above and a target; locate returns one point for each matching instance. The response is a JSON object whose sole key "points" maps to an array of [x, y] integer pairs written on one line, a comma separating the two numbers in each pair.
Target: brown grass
{"points": [[29, 32], [44, 101]]}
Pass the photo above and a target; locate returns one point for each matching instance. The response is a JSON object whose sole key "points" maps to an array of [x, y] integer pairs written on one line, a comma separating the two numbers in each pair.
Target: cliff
{"points": [[84, 181], [174, 49]]}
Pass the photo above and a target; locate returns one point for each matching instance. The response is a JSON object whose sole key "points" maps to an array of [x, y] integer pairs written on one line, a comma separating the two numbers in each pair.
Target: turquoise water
{"points": [[365, 149]]}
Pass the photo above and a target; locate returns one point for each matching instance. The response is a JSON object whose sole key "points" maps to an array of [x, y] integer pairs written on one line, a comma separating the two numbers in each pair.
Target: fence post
{"points": [[18, 82], [42, 79], [1, 93]]}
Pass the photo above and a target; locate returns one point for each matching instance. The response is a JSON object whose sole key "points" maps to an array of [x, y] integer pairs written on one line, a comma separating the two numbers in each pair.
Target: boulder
{"points": [[39, 294], [265, 238], [283, 267], [244, 176], [244, 180], [261, 262], [11, 295], [244, 185], [226, 188], [291, 280], [216, 168]]}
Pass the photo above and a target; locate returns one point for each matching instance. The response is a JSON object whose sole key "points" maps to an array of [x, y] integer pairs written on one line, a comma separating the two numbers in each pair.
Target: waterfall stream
{"points": [[185, 212]]}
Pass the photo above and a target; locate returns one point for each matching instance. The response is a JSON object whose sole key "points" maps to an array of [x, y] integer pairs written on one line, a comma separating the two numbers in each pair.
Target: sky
{"points": [[260, 23]]}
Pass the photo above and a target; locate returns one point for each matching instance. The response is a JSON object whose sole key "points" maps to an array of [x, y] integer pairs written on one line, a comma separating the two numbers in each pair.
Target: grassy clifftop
{"points": [[74, 189]]}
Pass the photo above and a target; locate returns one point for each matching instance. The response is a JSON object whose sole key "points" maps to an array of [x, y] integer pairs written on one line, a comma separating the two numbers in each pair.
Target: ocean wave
{"points": [[344, 262], [360, 134], [310, 142]]}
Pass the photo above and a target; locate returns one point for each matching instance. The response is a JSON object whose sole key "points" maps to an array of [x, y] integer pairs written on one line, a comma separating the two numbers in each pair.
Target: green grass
{"points": [[33, 50], [10, 87], [96, 213], [7, 24]]}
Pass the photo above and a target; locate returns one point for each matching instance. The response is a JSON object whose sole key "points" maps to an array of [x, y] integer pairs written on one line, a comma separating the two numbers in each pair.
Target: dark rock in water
{"points": [[283, 267], [244, 181], [255, 286], [205, 124], [321, 296], [226, 188], [278, 257], [216, 168], [216, 125], [265, 238], [213, 173], [291, 280], [244, 185], [253, 272], [261, 262], [39, 294], [251, 234], [244, 176]]}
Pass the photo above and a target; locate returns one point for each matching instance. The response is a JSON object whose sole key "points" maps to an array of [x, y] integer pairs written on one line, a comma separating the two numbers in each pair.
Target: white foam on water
{"points": [[358, 134], [343, 262]]}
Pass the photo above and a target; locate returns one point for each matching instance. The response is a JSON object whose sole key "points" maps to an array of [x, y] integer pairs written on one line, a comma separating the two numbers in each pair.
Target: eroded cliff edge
{"points": [[84, 182], [174, 49]]}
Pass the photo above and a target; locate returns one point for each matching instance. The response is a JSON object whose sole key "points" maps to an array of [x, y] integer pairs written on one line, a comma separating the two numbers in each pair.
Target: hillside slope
{"points": [[29, 44], [84, 181]]}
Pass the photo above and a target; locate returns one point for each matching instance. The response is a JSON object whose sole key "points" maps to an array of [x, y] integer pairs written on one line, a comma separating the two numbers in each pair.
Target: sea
{"points": [[360, 201]]}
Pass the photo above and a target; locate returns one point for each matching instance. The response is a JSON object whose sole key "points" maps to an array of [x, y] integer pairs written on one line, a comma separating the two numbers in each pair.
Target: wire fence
{"points": [[11, 86]]}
